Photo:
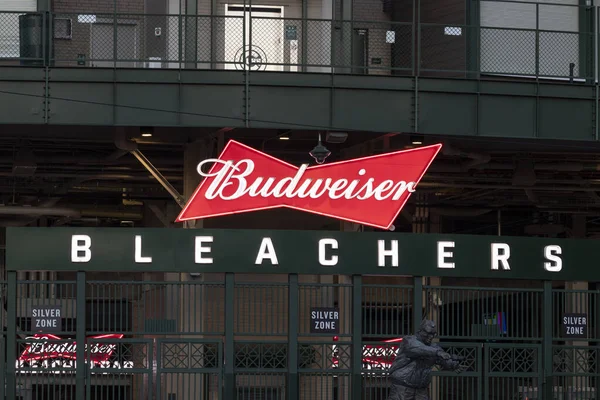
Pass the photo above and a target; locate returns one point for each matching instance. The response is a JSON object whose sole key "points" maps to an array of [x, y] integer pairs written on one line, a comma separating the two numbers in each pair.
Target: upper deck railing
{"points": [[547, 42]]}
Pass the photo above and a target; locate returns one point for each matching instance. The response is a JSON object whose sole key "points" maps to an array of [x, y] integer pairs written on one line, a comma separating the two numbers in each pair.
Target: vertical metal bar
{"points": [[537, 41], [181, 47], [80, 336], [45, 35], [292, 384], [418, 22], [546, 371], [47, 56], [213, 41], [413, 43], [357, 337], [304, 36], [596, 26], [115, 33], [50, 37], [229, 337], [417, 302], [11, 334], [596, 108]]}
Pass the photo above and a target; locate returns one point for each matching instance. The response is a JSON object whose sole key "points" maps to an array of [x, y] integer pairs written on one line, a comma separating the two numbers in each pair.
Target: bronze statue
{"points": [[410, 372]]}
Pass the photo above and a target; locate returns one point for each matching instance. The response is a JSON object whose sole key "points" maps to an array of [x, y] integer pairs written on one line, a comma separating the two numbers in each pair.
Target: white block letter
{"points": [[383, 253], [443, 254], [323, 260], [266, 251], [199, 249], [81, 243], [138, 251], [500, 254], [555, 263]]}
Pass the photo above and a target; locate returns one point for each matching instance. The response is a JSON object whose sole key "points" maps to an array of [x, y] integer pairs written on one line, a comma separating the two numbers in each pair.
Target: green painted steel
{"points": [[378, 253], [233, 339]]}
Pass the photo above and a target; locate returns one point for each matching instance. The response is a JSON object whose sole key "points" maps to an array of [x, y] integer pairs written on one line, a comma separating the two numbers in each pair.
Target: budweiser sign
{"points": [[370, 190], [50, 351], [374, 357]]}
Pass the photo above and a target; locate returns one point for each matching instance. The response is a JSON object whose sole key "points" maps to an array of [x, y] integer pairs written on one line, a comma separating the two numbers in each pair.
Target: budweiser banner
{"points": [[370, 190], [374, 357], [46, 352]]}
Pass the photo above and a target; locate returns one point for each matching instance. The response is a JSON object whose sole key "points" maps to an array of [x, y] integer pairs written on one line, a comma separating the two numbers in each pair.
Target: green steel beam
{"points": [[386, 104], [357, 347], [80, 374], [293, 326], [417, 308], [229, 378], [114, 249], [547, 381], [11, 335]]}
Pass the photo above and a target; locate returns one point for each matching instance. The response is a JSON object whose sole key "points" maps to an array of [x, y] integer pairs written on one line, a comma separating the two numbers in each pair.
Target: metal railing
{"points": [[116, 40], [151, 339]]}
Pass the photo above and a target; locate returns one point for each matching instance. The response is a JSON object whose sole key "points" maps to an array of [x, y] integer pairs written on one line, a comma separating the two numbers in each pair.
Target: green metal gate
{"points": [[513, 371], [124, 375], [171, 340], [189, 369]]}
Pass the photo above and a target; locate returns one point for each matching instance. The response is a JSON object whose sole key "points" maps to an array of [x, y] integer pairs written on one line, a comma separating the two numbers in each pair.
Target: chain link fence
{"points": [[262, 43]]}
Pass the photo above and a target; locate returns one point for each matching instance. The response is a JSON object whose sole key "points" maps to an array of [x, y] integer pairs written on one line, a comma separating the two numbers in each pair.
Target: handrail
{"points": [[135, 40]]}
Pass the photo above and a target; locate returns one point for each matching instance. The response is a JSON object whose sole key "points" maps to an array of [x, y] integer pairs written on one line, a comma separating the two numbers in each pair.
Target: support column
{"points": [[431, 295], [80, 377], [293, 327], [347, 30], [191, 34], [577, 301], [11, 335], [185, 293]]}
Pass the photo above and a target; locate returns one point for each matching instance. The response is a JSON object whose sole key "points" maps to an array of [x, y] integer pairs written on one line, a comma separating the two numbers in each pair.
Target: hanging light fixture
{"points": [[320, 152]]}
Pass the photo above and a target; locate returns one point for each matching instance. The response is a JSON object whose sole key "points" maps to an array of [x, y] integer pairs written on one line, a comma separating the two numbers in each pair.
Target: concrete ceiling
{"points": [[81, 168]]}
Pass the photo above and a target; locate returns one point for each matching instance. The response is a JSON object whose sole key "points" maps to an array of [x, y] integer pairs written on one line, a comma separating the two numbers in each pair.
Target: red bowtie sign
{"points": [[370, 190], [48, 346]]}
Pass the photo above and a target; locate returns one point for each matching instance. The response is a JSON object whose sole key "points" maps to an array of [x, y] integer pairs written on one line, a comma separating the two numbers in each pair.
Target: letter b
{"points": [[81, 244]]}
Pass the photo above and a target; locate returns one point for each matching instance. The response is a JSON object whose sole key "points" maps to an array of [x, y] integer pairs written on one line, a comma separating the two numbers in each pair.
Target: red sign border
{"points": [[50, 337], [231, 141]]}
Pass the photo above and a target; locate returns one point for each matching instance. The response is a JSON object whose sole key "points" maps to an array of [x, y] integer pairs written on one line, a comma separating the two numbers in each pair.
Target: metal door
{"points": [[263, 33], [447, 385], [103, 45], [119, 369], [189, 369], [360, 41], [513, 371]]}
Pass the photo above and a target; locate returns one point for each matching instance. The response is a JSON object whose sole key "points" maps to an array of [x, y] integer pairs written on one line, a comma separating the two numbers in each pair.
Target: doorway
{"points": [[262, 24], [102, 44], [360, 54]]}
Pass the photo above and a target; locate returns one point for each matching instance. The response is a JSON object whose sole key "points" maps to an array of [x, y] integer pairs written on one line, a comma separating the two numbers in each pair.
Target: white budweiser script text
{"points": [[233, 178], [40, 346]]}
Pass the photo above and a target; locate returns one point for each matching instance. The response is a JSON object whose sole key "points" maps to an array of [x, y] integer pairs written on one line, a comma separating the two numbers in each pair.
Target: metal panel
{"points": [[189, 369], [126, 375], [9, 25], [152, 364], [513, 370], [297, 252], [509, 27]]}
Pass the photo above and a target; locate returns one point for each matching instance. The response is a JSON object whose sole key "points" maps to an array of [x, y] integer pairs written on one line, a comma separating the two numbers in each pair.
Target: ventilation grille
{"points": [[63, 28]]}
